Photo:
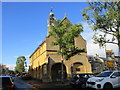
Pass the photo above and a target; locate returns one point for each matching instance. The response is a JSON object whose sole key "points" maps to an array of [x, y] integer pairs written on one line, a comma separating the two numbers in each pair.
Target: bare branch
{"points": [[112, 42]]}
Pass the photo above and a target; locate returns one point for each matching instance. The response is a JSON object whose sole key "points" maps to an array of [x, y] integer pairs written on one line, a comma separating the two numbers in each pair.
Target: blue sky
{"points": [[24, 26]]}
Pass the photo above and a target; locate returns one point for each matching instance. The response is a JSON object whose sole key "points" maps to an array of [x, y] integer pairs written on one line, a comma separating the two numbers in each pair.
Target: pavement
{"points": [[39, 84]]}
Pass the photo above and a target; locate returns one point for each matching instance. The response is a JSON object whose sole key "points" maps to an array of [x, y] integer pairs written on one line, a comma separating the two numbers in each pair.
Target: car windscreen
{"points": [[75, 75], [104, 74], [6, 81], [86, 75], [90, 75]]}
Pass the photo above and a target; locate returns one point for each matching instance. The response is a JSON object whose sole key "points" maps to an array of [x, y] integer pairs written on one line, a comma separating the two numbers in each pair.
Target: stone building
{"points": [[45, 63], [97, 63], [3, 70]]}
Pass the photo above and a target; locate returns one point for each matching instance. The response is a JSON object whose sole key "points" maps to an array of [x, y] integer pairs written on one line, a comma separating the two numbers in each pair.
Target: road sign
{"points": [[109, 53], [110, 64]]}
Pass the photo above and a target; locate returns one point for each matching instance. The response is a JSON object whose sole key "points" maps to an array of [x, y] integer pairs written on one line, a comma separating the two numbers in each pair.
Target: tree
{"points": [[20, 64], [104, 17], [64, 33]]}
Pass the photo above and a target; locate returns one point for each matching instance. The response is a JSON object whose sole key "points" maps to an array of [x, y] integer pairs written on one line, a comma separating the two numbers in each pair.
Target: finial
{"points": [[51, 9]]}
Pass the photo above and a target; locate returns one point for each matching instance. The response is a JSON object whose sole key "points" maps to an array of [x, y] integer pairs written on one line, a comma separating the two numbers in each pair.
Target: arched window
{"points": [[77, 67]]}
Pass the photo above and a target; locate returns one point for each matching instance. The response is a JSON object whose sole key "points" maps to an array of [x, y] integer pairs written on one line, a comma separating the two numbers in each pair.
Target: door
{"points": [[115, 78]]}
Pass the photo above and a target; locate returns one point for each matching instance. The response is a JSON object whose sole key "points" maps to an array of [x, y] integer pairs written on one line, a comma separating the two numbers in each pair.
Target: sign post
{"points": [[109, 56]]}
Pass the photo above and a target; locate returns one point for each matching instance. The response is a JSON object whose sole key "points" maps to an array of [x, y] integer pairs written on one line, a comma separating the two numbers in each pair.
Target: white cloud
{"points": [[92, 48], [27, 56], [11, 66], [112, 47], [88, 32], [27, 68]]}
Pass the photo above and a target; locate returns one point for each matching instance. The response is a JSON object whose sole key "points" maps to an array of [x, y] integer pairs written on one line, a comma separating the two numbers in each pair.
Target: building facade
{"points": [[45, 63], [97, 64], [100, 64], [4, 70]]}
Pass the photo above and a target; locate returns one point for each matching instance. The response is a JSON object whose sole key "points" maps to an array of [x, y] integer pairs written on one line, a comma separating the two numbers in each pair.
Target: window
{"points": [[77, 69], [116, 74], [104, 74]]}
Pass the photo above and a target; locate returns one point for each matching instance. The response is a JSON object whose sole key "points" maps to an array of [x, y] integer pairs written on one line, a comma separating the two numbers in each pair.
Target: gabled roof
{"points": [[65, 18]]}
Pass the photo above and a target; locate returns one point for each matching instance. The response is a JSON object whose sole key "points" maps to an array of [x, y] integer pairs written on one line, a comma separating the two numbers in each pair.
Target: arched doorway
{"points": [[56, 72]]}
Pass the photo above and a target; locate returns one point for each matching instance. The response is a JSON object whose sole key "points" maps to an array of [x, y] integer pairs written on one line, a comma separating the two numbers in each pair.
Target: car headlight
{"points": [[99, 80]]}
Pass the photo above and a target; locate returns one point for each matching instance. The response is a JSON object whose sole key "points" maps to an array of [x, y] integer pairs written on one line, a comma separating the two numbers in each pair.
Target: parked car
{"points": [[79, 80], [6, 83], [13, 75], [18, 75], [105, 80], [26, 76]]}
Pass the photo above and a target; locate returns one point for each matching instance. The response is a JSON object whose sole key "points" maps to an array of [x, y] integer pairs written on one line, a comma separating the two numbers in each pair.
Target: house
{"points": [[45, 62]]}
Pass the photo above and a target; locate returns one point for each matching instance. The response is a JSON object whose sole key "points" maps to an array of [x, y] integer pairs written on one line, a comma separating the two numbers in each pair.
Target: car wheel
{"points": [[83, 85], [73, 85], [107, 87]]}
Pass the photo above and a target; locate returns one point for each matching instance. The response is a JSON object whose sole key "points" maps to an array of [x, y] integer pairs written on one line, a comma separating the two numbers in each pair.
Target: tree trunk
{"points": [[119, 49], [118, 44], [62, 73]]}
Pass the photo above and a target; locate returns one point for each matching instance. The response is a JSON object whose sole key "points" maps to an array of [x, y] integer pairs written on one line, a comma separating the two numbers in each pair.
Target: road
{"points": [[37, 85], [21, 84]]}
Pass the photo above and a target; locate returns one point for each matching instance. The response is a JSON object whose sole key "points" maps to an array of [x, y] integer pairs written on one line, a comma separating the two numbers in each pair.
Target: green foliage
{"points": [[101, 40], [11, 72], [64, 33], [20, 64], [104, 17]]}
